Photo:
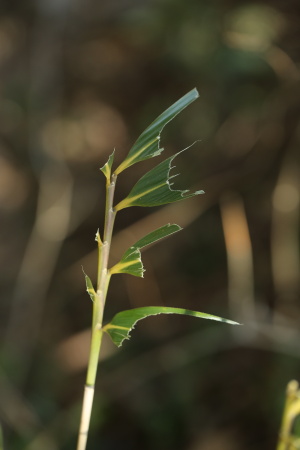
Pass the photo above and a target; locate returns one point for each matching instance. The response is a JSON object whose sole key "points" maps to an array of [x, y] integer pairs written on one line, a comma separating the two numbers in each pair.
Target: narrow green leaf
{"points": [[154, 188], [147, 145], [155, 235], [131, 262], [106, 169], [123, 322], [89, 286]]}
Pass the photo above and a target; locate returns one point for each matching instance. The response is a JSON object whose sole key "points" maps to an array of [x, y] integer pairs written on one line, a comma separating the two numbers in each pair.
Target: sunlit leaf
{"points": [[154, 188], [106, 169], [131, 262], [123, 322], [147, 145]]}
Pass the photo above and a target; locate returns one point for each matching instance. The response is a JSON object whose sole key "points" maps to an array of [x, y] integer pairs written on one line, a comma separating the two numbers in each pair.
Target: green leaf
{"points": [[154, 188], [106, 169], [123, 322], [147, 145], [131, 262], [89, 286]]}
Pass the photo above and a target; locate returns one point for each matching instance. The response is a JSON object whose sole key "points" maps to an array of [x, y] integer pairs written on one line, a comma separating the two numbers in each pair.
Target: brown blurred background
{"points": [[79, 78]]}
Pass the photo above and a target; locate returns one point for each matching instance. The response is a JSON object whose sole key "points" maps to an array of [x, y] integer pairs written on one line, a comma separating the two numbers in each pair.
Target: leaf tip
{"points": [[106, 169], [196, 92], [98, 238]]}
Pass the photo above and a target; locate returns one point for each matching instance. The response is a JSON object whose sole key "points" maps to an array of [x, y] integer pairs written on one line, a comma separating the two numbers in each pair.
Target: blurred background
{"points": [[78, 79]]}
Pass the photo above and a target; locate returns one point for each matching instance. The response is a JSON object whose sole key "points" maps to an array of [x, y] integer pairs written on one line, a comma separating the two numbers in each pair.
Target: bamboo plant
{"points": [[152, 189]]}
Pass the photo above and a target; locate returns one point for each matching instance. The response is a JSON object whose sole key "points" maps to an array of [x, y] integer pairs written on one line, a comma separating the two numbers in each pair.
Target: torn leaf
{"points": [[122, 323], [131, 262], [154, 188]]}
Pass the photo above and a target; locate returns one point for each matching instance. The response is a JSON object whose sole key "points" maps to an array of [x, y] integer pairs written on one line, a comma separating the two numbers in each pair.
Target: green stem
{"points": [[103, 278], [95, 345]]}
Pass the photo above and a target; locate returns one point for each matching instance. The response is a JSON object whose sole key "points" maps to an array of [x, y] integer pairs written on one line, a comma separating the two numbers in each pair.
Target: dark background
{"points": [[79, 78]]}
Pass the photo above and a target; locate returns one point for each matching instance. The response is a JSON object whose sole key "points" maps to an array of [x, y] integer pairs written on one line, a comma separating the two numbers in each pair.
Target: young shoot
{"points": [[152, 189]]}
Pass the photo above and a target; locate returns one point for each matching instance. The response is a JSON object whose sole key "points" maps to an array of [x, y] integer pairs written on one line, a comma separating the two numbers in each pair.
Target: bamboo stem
{"points": [[88, 397], [103, 278]]}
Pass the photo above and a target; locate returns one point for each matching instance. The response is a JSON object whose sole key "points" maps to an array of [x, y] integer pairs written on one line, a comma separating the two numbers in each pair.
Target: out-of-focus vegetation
{"points": [[79, 78], [288, 435]]}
